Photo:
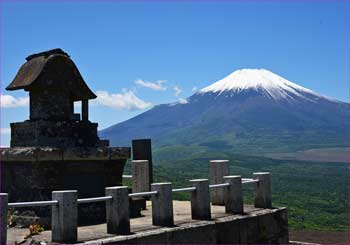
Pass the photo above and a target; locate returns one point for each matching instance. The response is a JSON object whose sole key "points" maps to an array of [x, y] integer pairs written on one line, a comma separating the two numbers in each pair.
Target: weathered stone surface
{"points": [[119, 152], [234, 195], [205, 233], [227, 232], [262, 193], [200, 200], [49, 153], [218, 169], [65, 217], [162, 205], [27, 154], [3, 217], [223, 229], [34, 181], [140, 176], [142, 150], [249, 230], [86, 153], [54, 133], [118, 218], [42, 154]]}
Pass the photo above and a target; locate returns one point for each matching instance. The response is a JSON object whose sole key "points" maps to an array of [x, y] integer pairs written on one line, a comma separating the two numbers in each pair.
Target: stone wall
{"points": [[31, 174], [266, 226]]}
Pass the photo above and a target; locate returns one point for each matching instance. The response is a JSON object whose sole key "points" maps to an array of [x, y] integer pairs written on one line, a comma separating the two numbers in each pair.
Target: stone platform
{"points": [[255, 226], [32, 173]]}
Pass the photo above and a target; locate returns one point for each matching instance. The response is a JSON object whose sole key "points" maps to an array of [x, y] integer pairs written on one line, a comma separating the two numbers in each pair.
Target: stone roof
{"points": [[56, 65]]}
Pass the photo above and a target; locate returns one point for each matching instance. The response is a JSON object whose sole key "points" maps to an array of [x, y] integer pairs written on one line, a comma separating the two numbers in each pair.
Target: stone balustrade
{"points": [[64, 211]]}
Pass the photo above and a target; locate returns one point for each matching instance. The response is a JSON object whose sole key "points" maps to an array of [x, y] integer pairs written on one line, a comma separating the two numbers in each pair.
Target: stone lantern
{"points": [[54, 83], [57, 149]]}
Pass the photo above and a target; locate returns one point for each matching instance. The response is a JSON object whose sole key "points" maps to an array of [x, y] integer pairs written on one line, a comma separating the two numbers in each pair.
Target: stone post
{"points": [[85, 110], [233, 195], [117, 210], [218, 169], [140, 176], [263, 190], [65, 217], [142, 150], [3, 217], [200, 200], [162, 205]]}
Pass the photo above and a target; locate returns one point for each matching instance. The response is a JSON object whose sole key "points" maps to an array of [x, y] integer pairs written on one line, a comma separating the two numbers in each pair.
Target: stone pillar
{"points": [[3, 217], [140, 176], [85, 110], [117, 210], [162, 205], [65, 217], [200, 200], [233, 195], [263, 190], [218, 169], [142, 150]]}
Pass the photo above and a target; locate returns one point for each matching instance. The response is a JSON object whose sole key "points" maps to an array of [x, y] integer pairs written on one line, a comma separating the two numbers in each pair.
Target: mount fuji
{"points": [[249, 111]]}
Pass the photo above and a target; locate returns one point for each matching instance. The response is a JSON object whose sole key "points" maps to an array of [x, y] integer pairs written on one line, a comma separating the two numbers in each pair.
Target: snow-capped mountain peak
{"points": [[271, 84]]}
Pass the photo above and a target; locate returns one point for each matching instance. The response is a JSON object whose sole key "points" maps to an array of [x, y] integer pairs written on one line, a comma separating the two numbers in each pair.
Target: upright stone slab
{"points": [[263, 190], [142, 150], [65, 217], [233, 195], [117, 210], [140, 176], [200, 200], [218, 169], [162, 205], [3, 217]]}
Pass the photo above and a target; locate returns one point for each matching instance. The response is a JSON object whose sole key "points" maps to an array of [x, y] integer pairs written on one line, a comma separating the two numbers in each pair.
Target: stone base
{"points": [[54, 134], [32, 173]]}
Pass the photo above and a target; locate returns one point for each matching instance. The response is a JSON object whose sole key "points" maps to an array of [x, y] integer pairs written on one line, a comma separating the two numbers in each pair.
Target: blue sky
{"points": [[138, 54]]}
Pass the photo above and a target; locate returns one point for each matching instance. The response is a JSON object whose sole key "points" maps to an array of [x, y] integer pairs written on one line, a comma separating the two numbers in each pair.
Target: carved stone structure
{"points": [[54, 84], [56, 149]]}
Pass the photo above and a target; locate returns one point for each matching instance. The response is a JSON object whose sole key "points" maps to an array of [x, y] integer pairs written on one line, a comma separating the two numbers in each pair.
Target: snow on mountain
{"points": [[249, 110], [271, 84]]}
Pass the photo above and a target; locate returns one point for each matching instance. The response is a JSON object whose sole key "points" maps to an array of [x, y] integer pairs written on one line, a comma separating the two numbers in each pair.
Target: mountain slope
{"points": [[249, 111]]}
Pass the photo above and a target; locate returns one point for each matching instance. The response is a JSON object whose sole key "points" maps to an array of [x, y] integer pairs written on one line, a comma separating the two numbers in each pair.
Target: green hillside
{"points": [[316, 194]]}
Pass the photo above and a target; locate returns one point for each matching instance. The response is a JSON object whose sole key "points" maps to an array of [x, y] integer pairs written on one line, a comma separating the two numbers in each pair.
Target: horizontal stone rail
{"points": [[126, 176], [189, 189], [31, 204], [143, 194]]}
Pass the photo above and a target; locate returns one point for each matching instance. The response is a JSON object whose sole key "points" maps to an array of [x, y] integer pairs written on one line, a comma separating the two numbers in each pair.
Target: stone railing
{"points": [[64, 204]]}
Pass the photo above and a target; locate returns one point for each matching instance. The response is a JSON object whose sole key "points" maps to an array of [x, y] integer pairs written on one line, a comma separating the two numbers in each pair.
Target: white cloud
{"points": [[194, 89], [5, 130], [177, 90], [8, 101], [156, 85], [183, 101], [125, 100]]}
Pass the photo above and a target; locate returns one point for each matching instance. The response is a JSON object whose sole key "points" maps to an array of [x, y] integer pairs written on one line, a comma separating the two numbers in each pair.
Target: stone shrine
{"points": [[54, 84], [56, 149]]}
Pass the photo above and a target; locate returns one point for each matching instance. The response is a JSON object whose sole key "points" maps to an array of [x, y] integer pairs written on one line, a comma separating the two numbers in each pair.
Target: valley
{"points": [[328, 155]]}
